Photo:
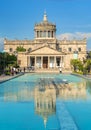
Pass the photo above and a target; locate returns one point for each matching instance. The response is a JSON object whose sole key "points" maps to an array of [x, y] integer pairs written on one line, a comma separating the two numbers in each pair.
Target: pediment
{"points": [[45, 51]]}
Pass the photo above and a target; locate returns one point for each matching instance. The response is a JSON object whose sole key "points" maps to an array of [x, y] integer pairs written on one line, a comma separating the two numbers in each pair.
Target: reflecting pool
{"points": [[45, 102]]}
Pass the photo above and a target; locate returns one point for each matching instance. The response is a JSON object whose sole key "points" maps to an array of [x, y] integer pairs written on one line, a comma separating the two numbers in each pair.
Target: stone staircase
{"points": [[47, 70]]}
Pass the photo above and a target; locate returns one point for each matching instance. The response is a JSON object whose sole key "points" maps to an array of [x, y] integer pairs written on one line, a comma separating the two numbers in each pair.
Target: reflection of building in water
{"points": [[18, 94], [73, 91], [45, 99], [45, 102]]}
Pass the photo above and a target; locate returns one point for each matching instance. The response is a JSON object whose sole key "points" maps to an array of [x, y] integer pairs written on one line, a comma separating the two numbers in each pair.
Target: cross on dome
{"points": [[45, 17]]}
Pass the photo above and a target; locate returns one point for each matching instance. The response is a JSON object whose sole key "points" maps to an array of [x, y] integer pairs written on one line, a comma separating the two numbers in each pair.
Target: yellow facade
{"points": [[45, 51]]}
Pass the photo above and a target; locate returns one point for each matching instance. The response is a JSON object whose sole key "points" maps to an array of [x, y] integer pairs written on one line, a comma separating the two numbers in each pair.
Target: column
{"points": [[63, 61], [60, 62], [35, 34], [28, 61], [47, 34], [53, 34], [39, 34], [41, 61], [54, 61], [42, 33], [48, 62], [62, 58], [47, 103]]}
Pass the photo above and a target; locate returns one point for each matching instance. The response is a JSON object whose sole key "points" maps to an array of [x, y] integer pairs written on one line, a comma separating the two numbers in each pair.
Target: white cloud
{"points": [[77, 35], [1, 43]]}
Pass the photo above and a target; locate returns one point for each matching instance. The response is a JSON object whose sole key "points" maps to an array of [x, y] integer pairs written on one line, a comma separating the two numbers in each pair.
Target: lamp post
{"points": [[4, 56]]}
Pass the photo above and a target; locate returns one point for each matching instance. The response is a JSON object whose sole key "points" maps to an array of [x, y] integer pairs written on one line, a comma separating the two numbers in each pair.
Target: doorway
{"points": [[45, 62]]}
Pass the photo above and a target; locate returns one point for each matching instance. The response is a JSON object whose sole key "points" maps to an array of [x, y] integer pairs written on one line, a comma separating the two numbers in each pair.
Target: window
{"points": [[60, 49], [30, 49], [44, 33], [58, 61], [19, 62], [75, 52], [69, 49], [48, 33], [52, 33], [57, 46], [75, 56], [10, 49], [40, 33], [79, 49], [37, 33]]}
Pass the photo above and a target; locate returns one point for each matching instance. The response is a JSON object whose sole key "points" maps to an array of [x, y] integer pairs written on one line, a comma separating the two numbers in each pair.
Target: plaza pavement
{"points": [[4, 78]]}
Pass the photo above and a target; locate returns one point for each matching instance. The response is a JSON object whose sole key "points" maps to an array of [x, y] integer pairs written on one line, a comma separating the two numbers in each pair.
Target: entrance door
{"points": [[32, 61], [58, 61], [45, 62]]}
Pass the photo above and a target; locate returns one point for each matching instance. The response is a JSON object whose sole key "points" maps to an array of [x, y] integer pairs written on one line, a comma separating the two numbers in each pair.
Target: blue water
{"points": [[62, 108]]}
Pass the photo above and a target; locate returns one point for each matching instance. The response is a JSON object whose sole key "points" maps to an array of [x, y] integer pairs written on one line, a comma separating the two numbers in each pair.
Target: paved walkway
{"points": [[83, 76], [88, 76], [4, 77]]}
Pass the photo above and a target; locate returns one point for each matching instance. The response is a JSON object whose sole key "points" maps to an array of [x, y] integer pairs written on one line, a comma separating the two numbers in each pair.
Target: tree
{"points": [[88, 65], [20, 49], [6, 61], [89, 55], [77, 64]]}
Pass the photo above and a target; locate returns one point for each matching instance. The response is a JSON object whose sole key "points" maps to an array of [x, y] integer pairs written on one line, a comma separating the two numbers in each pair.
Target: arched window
{"points": [[44, 34], [79, 49], [57, 46], [60, 49], [40, 33], [29, 49], [69, 49], [10, 49], [49, 34], [37, 33], [52, 33]]}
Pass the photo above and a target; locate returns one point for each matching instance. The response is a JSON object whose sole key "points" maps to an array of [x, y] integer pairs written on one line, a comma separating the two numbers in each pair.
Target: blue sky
{"points": [[72, 18]]}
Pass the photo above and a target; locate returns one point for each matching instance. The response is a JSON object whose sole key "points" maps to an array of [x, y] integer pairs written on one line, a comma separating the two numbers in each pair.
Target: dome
{"points": [[45, 29]]}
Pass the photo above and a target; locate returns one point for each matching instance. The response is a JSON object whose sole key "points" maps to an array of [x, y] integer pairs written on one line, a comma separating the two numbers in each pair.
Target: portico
{"points": [[45, 57], [45, 61]]}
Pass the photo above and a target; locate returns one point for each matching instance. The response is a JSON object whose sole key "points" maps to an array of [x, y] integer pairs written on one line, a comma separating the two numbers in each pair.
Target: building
{"points": [[45, 51]]}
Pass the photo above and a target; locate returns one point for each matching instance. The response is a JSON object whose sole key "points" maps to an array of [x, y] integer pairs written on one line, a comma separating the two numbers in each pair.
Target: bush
{"points": [[7, 73]]}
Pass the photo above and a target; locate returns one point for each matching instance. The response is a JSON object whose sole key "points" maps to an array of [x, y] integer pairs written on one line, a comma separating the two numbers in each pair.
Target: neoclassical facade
{"points": [[45, 51]]}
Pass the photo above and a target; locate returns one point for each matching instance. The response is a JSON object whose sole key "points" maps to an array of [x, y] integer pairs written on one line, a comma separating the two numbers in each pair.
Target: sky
{"points": [[72, 18]]}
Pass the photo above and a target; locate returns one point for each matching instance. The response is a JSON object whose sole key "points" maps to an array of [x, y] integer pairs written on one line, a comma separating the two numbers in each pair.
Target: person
{"points": [[12, 71], [60, 70], [24, 69]]}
